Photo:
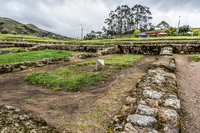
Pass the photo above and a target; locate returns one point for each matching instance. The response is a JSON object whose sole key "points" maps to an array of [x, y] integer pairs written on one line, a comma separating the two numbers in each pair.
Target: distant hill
{"points": [[9, 26]]}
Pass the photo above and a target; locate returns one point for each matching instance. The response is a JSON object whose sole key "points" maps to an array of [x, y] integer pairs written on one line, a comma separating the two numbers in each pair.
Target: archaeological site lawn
{"points": [[81, 75], [33, 56]]}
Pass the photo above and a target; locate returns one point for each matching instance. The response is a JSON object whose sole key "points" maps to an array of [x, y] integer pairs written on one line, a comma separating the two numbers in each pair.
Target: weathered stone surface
{"points": [[12, 120], [166, 62], [154, 103], [168, 116], [141, 120], [170, 128], [23, 67], [100, 64], [130, 100], [129, 128], [174, 103], [153, 94], [166, 51], [145, 110]]}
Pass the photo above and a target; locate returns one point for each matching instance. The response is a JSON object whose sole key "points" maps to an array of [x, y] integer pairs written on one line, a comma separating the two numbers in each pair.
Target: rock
{"points": [[142, 120], [9, 107], [168, 116], [166, 62], [166, 51], [99, 64], [129, 128], [24, 117], [142, 103], [23, 67], [17, 110], [153, 94], [130, 100], [170, 128], [174, 103], [125, 108], [182, 52], [145, 110], [39, 65], [152, 102]]}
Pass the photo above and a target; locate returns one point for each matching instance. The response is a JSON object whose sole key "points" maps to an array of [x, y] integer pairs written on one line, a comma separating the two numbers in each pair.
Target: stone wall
{"points": [[7, 44], [12, 51], [153, 105], [13, 67], [136, 48], [25, 65], [13, 120], [154, 49]]}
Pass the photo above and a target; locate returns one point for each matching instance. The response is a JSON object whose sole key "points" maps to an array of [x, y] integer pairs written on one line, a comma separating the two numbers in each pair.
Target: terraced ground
{"points": [[92, 108], [88, 110]]}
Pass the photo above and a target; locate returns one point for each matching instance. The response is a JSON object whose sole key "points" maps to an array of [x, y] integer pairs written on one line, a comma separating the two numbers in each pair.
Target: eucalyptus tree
{"points": [[142, 17], [124, 19]]}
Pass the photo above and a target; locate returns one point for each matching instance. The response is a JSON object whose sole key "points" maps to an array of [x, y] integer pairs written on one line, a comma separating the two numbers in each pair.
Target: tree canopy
{"points": [[124, 19], [163, 25]]}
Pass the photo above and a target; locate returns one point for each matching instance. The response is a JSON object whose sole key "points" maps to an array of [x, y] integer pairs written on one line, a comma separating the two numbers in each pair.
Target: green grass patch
{"points": [[33, 56], [195, 58], [11, 48], [115, 39], [81, 75], [29, 38]]}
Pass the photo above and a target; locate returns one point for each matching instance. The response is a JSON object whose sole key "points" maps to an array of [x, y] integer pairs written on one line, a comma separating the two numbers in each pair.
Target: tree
{"points": [[171, 30], [136, 32], [163, 25], [184, 29], [125, 19], [196, 32], [142, 15]]}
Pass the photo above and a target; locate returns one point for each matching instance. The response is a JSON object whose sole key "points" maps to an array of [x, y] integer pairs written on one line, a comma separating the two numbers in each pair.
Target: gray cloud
{"points": [[66, 16]]}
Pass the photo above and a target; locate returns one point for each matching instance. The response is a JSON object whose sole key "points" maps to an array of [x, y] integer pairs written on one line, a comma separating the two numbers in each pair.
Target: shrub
{"points": [[171, 30], [136, 32], [196, 32]]}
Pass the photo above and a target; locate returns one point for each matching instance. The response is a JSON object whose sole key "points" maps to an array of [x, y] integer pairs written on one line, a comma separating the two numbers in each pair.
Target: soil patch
{"points": [[188, 77], [86, 111]]}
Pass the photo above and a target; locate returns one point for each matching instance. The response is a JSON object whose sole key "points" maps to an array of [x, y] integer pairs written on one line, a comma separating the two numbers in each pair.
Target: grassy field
{"points": [[124, 39], [195, 58], [81, 75], [26, 37], [12, 48], [33, 55]]}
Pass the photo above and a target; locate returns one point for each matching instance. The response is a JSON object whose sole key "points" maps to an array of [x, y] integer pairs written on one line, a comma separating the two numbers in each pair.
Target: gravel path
{"points": [[188, 76]]}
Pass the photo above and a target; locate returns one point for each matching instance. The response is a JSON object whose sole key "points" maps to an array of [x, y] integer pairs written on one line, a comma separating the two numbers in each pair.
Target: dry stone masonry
{"points": [[25, 65], [13, 120], [153, 106]]}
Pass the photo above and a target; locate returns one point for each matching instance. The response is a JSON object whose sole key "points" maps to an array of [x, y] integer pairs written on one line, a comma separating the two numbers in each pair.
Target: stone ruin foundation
{"points": [[153, 105]]}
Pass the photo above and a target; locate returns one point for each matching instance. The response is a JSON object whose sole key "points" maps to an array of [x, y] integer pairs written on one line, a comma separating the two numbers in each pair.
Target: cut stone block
{"points": [[99, 64]]}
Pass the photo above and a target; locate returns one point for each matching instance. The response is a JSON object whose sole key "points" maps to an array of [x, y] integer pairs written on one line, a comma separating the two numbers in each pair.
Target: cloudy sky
{"points": [[66, 16]]}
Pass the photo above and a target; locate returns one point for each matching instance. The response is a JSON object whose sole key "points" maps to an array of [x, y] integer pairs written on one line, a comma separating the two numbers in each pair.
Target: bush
{"points": [[196, 32], [136, 32], [171, 30]]}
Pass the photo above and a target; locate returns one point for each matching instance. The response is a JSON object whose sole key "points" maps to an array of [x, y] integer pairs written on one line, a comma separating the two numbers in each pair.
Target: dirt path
{"points": [[86, 111], [188, 77]]}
